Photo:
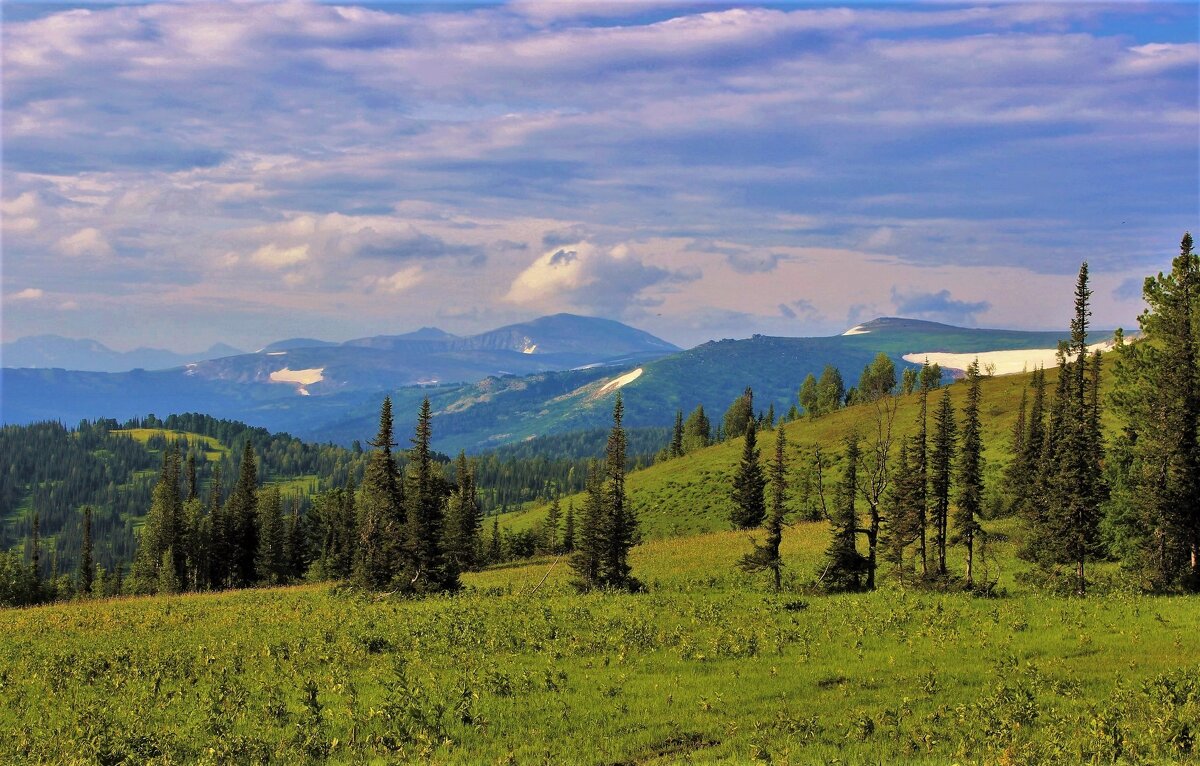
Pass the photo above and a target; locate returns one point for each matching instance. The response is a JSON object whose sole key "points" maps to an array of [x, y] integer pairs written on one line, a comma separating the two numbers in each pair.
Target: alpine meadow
{"points": [[716, 459]]}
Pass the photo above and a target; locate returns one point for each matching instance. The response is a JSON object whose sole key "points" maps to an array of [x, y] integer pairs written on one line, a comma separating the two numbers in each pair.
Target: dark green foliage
{"points": [[1155, 511], [676, 449], [568, 544], [271, 564], [970, 473], [241, 514], [749, 504], [161, 532], [589, 545], [426, 568], [464, 521], [766, 554], [334, 532], [739, 416], [87, 565], [550, 542], [844, 567], [381, 512], [900, 520], [941, 468], [808, 395]]}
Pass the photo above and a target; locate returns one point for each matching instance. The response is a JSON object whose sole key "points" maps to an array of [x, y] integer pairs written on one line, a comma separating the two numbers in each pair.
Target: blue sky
{"points": [[178, 174]]}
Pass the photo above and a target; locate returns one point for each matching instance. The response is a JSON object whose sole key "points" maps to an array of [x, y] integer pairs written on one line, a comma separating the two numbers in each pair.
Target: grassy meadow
{"points": [[707, 666]]}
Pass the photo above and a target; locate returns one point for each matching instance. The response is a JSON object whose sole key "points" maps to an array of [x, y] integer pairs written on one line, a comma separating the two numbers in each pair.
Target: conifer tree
{"points": [[194, 542], [160, 530], [618, 529], [219, 549], [1023, 471], [167, 582], [495, 554], [380, 510], [589, 547], [749, 504], [941, 467], [1157, 503], [191, 476], [766, 554], [464, 520], [426, 568], [844, 566], [35, 557], [900, 519], [270, 563], [930, 376], [295, 553], [677, 435], [970, 472], [241, 513], [87, 564]]}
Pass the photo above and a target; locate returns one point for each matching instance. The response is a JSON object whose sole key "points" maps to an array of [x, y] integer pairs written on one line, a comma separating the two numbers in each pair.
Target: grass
{"points": [[706, 667], [214, 450]]}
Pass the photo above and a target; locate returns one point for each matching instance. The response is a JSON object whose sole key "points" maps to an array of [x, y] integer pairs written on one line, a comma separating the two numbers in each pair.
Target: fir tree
{"points": [[426, 569], [241, 513], [900, 520], [749, 504], [463, 519], [218, 530], [270, 563], [941, 467], [970, 472], [618, 529], [766, 554], [380, 511], [697, 431], [87, 564], [844, 566], [677, 435], [191, 476], [589, 546], [1156, 505], [550, 532], [930, 376]]}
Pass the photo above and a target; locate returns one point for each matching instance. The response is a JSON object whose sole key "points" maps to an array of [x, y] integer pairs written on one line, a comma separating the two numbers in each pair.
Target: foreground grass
{"points": [[706, 667]]}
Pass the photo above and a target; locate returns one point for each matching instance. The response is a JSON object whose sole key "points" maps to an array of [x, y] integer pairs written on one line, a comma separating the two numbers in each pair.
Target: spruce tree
{"points": [[191, 477], [241, 513], [740, 415], [970, 473], [1156, 505], [380, 511], [426, 568], [844, 566], [900, 520], [749, 504], [160, 530], [589, 547], [619, 523], [270, 563], [87, 564], [464, 520], [930, 376], [550, 531], [219, 548], [766, 554], [677, 435], [941, 467]]}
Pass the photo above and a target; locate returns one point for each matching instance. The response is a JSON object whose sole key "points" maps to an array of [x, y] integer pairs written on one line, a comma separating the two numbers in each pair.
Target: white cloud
{"points": [[28, 294], [402, 280], [272, 256], [87, 242]]}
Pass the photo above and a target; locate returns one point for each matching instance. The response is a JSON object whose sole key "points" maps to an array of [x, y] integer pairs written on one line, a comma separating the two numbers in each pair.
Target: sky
{"points": [[177, 174]]}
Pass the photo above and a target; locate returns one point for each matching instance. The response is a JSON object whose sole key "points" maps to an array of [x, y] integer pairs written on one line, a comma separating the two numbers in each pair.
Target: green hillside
{"points": [[690, 494]]}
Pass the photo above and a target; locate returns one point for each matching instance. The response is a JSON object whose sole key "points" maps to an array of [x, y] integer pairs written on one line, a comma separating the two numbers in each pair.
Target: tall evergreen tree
{"points": [[677, 435], [619, 523], [380, 510], [495, 553], [900, 520], [766, 554], [550, 532], [241, 513], [219, 549], [191, 477], [941, 467], [1157, 505], [970, 472], [844, 566], [270, 563], [87, 564], [160, 530], [749, 505], [569, 528], [930, 376], [464, 520], [589, 547], [426, 569]]}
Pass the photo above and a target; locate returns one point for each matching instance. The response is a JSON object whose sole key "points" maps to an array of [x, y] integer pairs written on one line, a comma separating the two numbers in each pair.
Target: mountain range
{"points": [[553, 375], [85, 354]]}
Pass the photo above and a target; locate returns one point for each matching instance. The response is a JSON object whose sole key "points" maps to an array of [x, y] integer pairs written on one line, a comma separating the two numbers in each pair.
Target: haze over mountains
{"points": [[556, 374], [92, 355]]}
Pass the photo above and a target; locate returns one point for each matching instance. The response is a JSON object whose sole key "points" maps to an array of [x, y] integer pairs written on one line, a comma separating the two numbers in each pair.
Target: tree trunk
{"points": [[1081, 585], [970, 560]]}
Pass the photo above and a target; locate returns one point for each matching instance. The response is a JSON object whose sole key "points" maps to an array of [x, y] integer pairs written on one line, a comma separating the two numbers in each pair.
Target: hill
{"points": [[48, 351]]}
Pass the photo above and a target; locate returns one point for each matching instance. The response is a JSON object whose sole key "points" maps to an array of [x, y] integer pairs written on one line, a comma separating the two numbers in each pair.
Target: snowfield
{"points": [[616, 383], [1006, 362], [300, 377], [856, 330]]}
